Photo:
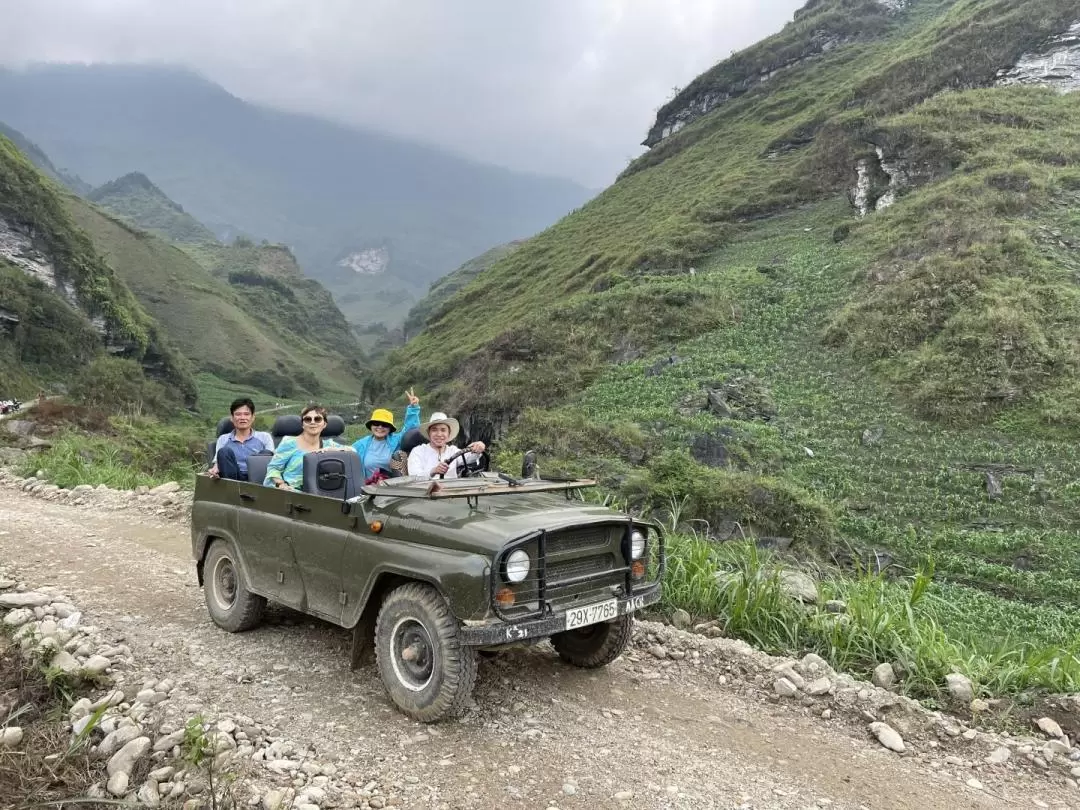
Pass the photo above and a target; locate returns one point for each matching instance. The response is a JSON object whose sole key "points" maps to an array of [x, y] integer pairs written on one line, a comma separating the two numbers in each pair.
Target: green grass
{"points": [[925, 629], [134, 452]]}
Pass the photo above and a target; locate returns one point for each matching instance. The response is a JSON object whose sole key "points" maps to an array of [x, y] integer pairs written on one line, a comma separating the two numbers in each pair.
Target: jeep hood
{"points": [[485, 525]]}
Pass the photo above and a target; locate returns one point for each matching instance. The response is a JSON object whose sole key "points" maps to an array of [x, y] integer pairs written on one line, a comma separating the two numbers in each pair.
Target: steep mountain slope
{"points": [[376, 219], [34, 154], [61, 304], [835, 307], [832, 104], [252, 319], [445, 288], [135, 199]]}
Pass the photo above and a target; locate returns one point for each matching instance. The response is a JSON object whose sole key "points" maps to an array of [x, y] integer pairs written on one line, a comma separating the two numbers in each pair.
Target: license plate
{"points": [[591, 614]]}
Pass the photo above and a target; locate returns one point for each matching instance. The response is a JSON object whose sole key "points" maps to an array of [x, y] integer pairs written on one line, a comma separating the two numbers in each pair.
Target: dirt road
{"points": [[541, 735]]}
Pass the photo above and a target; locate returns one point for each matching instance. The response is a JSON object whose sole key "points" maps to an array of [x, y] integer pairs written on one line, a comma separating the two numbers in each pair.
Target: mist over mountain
{"points": [[375, 218]]}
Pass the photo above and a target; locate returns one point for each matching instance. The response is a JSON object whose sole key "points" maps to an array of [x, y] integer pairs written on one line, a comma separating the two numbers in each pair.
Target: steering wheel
{"points": [[467, 469]]}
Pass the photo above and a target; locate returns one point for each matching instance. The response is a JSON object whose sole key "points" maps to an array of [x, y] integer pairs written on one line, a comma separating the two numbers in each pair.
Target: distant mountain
{"points": [[33, 152], [377, 219], [243, 312], [135, 199]]}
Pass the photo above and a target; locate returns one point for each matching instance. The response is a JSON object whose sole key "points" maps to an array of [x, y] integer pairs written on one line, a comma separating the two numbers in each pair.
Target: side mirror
{"points": [[528, 465]]}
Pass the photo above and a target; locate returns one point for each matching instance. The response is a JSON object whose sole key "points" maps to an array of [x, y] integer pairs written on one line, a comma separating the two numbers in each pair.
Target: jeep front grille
{"points": [[571, 569], [569, 566], [578, 539]]}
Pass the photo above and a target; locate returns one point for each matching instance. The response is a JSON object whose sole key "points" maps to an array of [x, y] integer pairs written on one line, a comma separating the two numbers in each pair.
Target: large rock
{"points": [[19, 427], [123, 761], [888, 736], [20, 599], [166, 488], [960, 687], [10, 737], [1049, 726], [884, 676], [798, 585], [118, 739]]}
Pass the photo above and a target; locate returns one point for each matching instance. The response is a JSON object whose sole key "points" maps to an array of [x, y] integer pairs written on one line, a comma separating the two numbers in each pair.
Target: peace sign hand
{"points": [[413, 398]]}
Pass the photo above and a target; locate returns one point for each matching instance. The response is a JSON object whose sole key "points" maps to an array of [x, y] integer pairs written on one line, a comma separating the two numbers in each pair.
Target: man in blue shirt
{"points": [[234, 447]]}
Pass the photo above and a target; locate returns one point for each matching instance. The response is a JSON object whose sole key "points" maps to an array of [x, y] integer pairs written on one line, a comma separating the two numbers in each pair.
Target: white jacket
{"points": [[424, 458]]}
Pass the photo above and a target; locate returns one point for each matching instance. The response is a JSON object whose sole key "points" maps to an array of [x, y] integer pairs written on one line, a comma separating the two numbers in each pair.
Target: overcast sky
{"points": [[565, 87]]}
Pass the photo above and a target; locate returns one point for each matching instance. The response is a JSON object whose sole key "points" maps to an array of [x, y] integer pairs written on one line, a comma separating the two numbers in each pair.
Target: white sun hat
{"points": [[440, 418]]}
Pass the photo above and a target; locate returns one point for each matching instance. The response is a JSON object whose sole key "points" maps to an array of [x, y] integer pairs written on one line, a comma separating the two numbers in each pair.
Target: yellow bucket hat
{"points": [[384, 416]]}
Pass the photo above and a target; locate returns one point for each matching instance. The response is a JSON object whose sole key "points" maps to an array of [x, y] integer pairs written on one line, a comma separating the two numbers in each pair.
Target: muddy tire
{"points": [[596, 645], [427, 671], [230, 604]]}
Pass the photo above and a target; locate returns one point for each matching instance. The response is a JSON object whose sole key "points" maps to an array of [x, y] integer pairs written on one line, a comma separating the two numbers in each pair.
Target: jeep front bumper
{"points": [[506, 632]]}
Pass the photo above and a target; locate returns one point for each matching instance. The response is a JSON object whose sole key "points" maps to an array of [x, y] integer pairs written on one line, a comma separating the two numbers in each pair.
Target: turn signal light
{"points": [[638, 569], [505, 597], [375, 526]]}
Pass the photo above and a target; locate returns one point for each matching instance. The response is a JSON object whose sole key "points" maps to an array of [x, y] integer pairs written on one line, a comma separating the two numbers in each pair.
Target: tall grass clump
{"points": [[906, 622], [135, 452]]}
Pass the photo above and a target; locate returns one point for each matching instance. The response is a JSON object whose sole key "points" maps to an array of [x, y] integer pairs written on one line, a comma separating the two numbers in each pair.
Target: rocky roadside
{"points": [[144, 740], [663, 660]]}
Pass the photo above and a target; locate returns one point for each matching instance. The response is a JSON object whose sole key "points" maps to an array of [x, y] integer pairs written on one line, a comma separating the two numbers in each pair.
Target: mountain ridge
{"points": [[322, 188]]}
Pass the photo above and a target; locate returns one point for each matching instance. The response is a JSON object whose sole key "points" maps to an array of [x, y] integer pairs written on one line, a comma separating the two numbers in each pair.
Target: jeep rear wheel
{"points": [[596, 645], [230, 604], [427, 671]]}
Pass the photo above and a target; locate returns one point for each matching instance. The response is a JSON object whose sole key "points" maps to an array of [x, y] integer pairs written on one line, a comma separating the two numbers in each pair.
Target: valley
{"points": [[825, 330]]}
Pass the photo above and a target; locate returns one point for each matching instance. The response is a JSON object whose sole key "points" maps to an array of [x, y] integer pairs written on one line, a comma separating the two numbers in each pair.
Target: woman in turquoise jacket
{"points": [[376, 449]]}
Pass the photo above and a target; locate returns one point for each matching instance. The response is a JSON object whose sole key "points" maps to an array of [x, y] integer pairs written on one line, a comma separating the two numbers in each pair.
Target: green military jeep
{"points": [[428, 574]]}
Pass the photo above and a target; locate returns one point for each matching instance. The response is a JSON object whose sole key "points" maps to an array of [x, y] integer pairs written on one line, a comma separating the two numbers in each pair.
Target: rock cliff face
{"points": [[817, 29], [1055, 65]]}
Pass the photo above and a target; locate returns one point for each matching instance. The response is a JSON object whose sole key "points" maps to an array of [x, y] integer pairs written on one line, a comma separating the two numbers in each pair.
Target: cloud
{"points": [[563, 87]]}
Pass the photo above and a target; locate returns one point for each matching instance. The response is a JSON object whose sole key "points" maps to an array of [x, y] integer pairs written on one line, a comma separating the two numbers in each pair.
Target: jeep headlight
{"points": [[637, 545], [517, 566]]}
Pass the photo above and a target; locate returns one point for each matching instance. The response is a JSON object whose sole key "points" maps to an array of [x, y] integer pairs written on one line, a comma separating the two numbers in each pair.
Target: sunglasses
{"points": [[313, 420], [379, 425]]}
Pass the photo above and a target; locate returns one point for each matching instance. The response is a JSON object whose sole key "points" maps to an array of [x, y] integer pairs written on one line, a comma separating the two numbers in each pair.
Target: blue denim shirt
{"points": [[257, 442]]}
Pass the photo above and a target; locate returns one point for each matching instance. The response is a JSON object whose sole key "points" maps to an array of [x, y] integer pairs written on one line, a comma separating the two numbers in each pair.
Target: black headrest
{"points": [[333, 473], [412, 438], [224, 425], [292, 426]]}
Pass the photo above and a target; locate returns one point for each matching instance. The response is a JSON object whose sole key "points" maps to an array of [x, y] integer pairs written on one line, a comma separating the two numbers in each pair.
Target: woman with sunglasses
{"points": [[286, 468], [378, 447]]}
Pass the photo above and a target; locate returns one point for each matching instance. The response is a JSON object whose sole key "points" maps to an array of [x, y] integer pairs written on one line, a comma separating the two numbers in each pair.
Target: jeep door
{"points": [[318, 542], [266, 527]]}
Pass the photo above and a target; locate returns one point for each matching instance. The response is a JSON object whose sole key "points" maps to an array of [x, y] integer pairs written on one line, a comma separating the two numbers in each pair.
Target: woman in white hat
{"points": [[426, 460]]}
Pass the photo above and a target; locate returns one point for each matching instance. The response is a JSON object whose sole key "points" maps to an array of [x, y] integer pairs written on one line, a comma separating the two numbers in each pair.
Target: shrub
{"points": [[119, 384]]}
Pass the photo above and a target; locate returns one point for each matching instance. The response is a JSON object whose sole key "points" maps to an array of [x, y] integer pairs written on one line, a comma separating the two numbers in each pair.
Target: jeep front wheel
{"points": [[423, 664], [596, 645], [230, 604]]}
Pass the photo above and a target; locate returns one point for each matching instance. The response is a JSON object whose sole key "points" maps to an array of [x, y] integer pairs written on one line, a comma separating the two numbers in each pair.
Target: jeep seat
{"points": [[257, 464], [292, 426], [333, 474], [412, 438], [224, 425]]}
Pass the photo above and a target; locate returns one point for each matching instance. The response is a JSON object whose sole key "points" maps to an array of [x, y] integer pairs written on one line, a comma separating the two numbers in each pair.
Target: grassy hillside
{"points": [[34, 154], [86, 311], [324, 189], [447, 286], [250, 328], [135, 199], [724, 341]]}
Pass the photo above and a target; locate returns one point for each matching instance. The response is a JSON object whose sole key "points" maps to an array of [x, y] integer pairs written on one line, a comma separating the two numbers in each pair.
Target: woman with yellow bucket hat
{"points": [[376, 449]]}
